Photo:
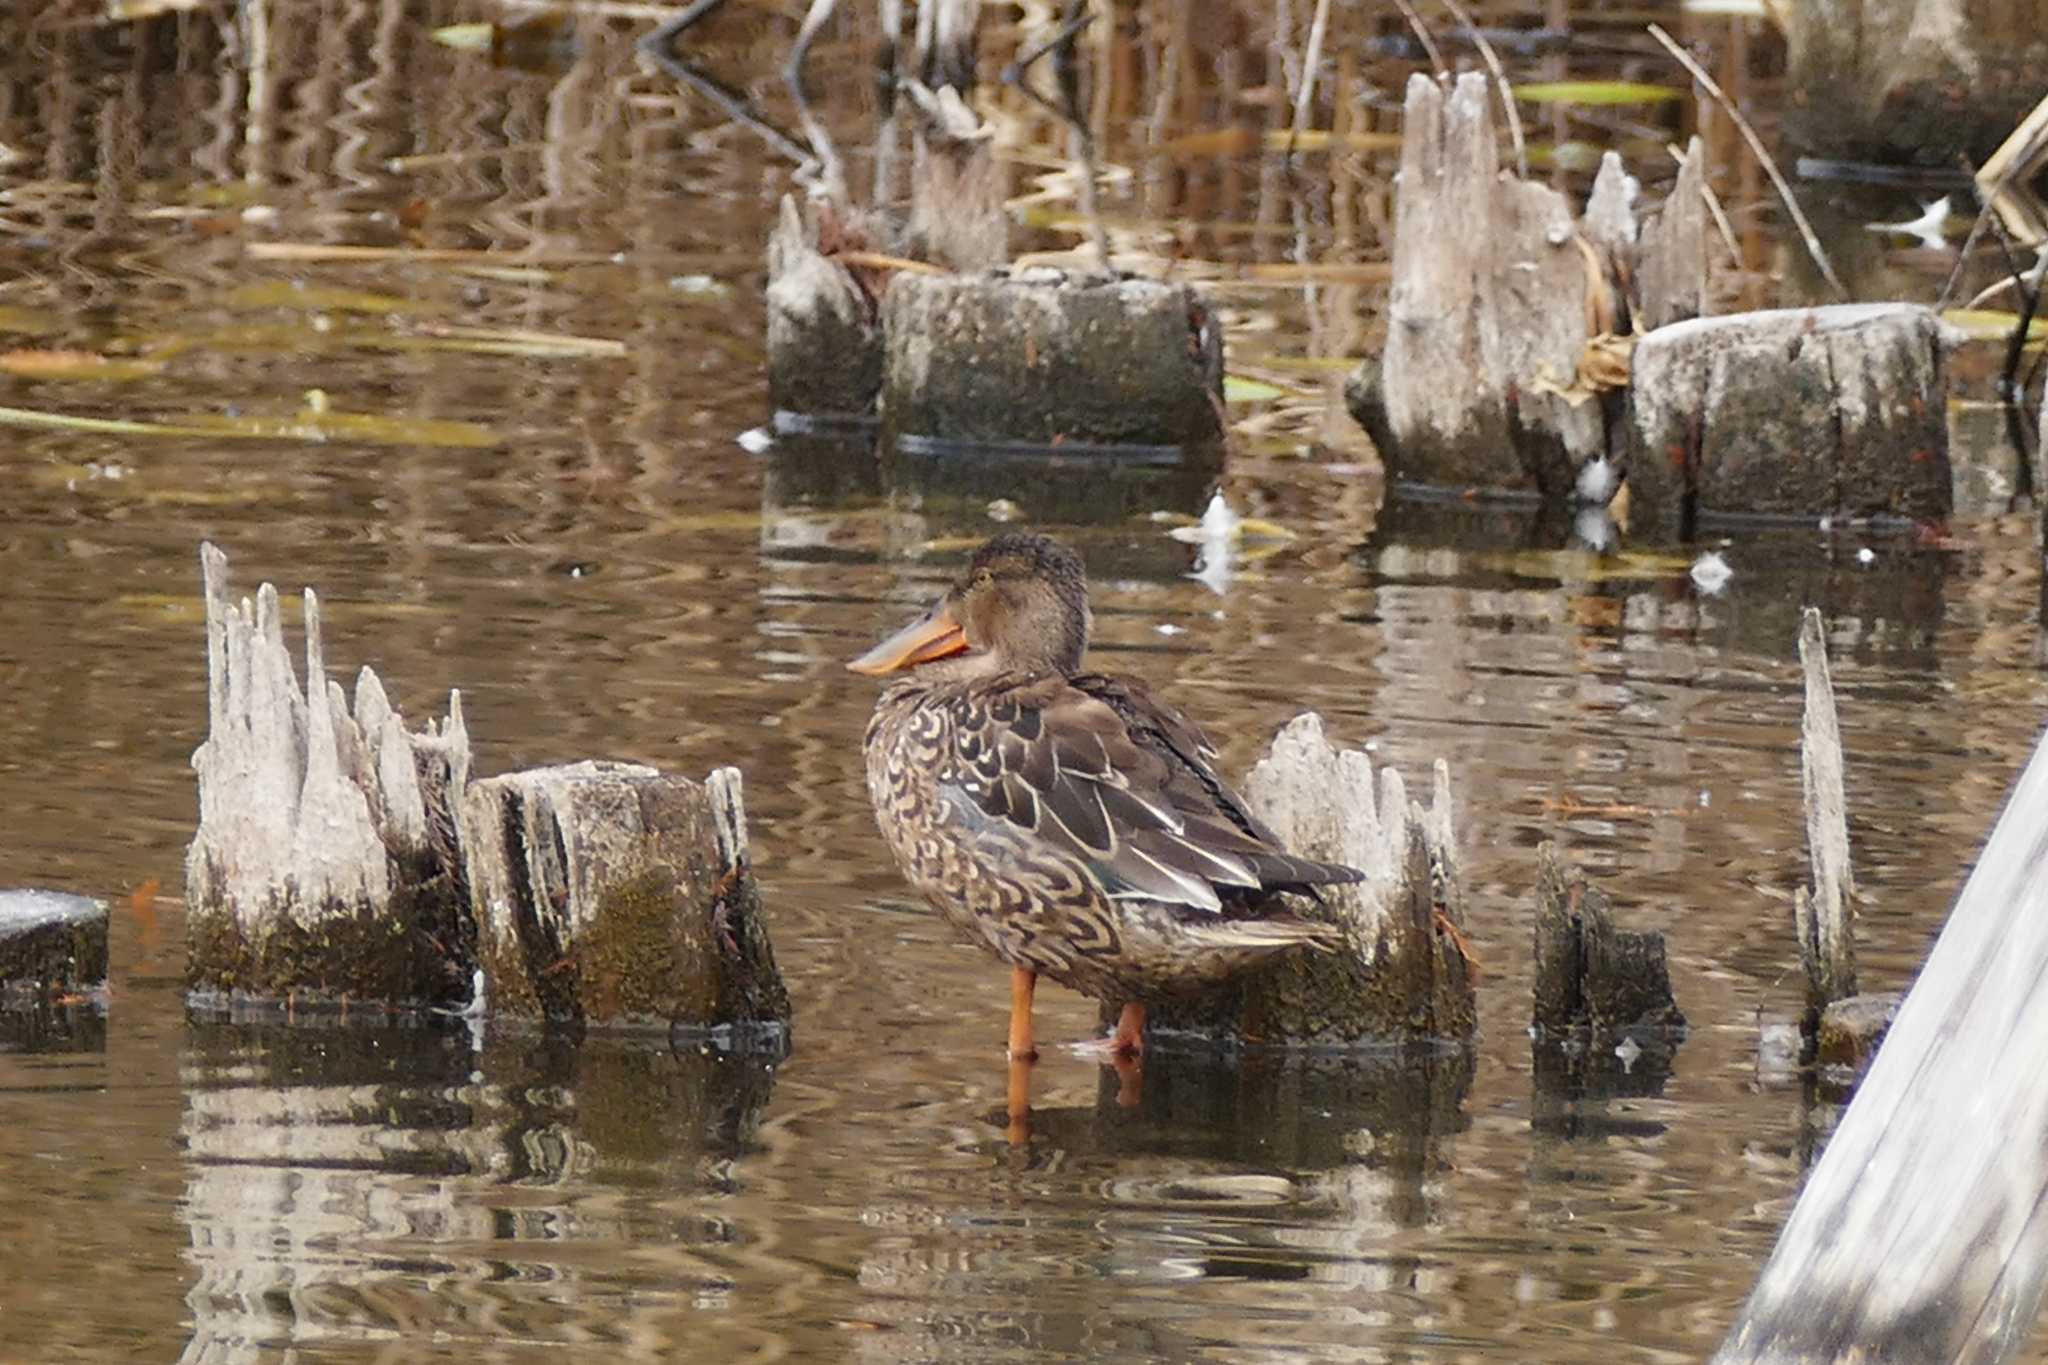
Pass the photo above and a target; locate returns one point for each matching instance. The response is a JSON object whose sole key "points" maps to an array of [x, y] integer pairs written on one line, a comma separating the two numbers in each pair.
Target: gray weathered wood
{"points": [[1671, 250], [324, 861], [957, 219], [1807, 411], [1589, 974], [1037, 357], [1402, 973], [1925, 80], [50, 942], [1824, 917], [1488, 294], [824, 332], [614, 894], [1922, 1233]]}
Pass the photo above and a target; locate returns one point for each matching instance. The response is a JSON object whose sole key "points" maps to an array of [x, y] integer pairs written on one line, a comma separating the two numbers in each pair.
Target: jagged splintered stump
{"points": [[614, 894], [1039, 357], [1589, 974], [1487, 378], [1402, 974], [342, 857], [325, 863], [1838, 411]]}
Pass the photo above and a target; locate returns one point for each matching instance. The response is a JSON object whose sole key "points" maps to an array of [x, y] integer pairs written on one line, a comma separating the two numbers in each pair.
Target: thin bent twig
{"points": [[1436, 56], [1318, 25], [1756, 145]]}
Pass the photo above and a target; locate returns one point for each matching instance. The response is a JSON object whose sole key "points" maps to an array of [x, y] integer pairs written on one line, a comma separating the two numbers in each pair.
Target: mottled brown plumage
{"points": [[1067, 820]]}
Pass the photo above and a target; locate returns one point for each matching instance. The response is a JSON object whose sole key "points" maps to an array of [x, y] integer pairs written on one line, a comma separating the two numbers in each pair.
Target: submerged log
{"points": [[324, 864], [51, 943], [1836, 411], [613, 894], [1922, 1233], [1402, 973], [1591, 976], [1037, 357]]}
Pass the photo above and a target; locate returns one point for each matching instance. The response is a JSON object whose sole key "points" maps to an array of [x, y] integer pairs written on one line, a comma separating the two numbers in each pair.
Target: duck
{"points": [[1064, 819]]}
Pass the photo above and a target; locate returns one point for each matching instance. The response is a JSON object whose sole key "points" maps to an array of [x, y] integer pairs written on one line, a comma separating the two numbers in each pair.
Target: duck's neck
{"points": [[959, 672]]}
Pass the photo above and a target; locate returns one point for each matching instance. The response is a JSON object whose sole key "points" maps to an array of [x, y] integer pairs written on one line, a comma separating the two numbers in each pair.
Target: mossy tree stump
{"points": [[1401, 974], [614, 894], [324, 865]]}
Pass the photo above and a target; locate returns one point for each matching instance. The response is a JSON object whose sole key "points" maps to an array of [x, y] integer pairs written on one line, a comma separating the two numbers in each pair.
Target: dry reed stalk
{"points": [[1763, 156]]}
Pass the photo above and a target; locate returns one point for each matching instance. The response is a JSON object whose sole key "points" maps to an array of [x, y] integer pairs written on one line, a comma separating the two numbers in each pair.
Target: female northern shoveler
{"points": [[1066, 820]]}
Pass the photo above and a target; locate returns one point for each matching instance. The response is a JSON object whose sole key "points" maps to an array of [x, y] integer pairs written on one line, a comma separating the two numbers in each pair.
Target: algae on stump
{"points": [[324, 864], [614, 894]]}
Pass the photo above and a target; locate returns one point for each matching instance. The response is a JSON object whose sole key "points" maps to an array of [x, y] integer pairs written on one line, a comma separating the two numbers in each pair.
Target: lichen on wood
{"points": [[1401, 974], [324, 865]]}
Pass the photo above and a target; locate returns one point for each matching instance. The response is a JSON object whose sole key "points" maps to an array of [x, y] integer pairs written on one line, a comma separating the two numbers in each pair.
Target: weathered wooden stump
{"points": [[1488, 291], [613, 894], [1591, 976], [1402, 974], [824, 329], [1488, 378], [324, 865], [1040, 358], [1922, 82], [1837, 411], [51, 943], [1922, 1232]]}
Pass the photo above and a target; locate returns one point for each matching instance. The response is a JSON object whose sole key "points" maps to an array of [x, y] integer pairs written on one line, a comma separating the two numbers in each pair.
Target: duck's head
{"points": [[1021, 606]]}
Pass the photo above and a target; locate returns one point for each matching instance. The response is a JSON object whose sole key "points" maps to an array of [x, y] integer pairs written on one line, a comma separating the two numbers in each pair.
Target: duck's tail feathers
{"points": [[1264, 933]]}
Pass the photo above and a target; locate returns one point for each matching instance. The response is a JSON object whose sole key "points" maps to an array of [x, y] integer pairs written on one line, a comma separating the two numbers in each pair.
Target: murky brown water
{"points": [[615, 577]]}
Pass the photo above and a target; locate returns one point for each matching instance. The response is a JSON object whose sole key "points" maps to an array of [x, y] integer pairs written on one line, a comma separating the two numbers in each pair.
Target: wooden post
{"points": [[1824, 917], [1402, 973], [324, 866], [1922, 1234], [614, 894]]}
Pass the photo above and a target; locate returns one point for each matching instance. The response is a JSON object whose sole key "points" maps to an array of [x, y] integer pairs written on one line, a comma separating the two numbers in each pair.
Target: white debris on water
{"points": [[1710, 572]]}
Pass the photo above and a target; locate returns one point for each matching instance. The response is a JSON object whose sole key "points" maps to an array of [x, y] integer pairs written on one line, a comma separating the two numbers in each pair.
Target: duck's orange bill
{"points": [[933, 635]]}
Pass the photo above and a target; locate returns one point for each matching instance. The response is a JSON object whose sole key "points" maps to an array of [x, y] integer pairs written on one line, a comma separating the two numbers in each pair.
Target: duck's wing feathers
{"points": [[1124, 787]]}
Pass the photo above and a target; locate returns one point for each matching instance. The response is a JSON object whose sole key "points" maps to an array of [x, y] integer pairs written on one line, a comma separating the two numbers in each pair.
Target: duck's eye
{"points": [[983, 578]]}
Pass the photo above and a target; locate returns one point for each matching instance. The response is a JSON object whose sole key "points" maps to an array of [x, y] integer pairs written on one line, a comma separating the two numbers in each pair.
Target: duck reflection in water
{"points": [[1063, 819]]}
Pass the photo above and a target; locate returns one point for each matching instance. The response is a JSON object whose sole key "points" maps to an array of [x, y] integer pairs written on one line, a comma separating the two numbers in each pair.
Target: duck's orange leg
{"points": [[1023, 981], [1129, 1040]]}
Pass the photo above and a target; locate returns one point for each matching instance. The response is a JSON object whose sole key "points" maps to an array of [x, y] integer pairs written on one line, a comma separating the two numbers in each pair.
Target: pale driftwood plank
{"points": [[1824, 917], [1922, 1234]]}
